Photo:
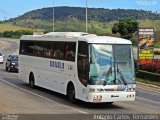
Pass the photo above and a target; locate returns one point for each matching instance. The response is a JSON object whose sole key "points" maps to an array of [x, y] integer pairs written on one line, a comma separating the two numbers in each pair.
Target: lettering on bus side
{"points": [[57, 64]]}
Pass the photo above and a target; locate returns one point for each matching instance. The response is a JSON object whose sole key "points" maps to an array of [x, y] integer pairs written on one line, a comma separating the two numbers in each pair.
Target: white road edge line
{"points": [[42, 96]]}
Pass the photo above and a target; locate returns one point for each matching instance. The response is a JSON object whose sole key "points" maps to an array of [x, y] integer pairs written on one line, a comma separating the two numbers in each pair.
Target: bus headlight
{"points": [[100, 90], [95, 90], [131, 96], [131, 89]]}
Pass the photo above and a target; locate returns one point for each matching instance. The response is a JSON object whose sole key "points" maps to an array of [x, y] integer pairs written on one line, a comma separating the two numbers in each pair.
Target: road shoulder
{"points": [[150, 87]]}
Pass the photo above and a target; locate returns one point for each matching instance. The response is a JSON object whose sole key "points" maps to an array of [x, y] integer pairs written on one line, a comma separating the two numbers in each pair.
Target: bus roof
{"points": [[105, 39], [76, 36]]}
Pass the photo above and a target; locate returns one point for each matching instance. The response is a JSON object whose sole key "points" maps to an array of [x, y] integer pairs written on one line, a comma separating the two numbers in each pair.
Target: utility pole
{"points": [[86, 17], [53, 16]]}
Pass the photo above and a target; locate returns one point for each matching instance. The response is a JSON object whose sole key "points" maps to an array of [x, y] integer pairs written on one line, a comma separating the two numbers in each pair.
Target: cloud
{"points": [[146, 2]]}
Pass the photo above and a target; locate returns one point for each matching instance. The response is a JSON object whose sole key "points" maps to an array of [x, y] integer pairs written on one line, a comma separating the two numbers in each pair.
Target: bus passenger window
{"points": [[30, 47], [69, 51], [48, 50], [39, 49], [49, 53], [57, 54]]}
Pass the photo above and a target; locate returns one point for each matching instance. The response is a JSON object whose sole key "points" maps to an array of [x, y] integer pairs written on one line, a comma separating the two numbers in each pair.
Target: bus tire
{"points": [[109, 103], [31, 80], [71, 93], [6, 68]]}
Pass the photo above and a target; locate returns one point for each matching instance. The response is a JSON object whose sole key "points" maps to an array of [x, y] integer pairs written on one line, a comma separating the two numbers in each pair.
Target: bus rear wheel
{"points": [[71, 93], [31, 81], [109, 103]]}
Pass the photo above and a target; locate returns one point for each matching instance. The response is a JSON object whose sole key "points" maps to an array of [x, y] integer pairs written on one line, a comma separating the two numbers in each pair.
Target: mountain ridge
{"points": [[94, 14]]}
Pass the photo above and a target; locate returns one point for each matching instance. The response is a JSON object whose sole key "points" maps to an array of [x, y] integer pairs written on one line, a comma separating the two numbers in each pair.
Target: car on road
{"points": [[1, 57], [12, 63]]}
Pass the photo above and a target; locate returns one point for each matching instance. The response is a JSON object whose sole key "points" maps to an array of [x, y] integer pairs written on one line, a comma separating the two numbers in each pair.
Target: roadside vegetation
{"points": [[16, 34], [126, 28], [13, 31], [153, 67], [148, 77], [10, 27], [73, 25]]}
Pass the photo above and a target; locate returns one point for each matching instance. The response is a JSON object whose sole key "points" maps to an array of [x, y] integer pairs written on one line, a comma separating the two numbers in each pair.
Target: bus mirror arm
{"points": [[92, 61], [88, 68]]}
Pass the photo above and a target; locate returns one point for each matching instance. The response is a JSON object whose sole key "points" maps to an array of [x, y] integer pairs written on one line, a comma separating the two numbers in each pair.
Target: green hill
{"points": [[100, 20], [94, 14]]}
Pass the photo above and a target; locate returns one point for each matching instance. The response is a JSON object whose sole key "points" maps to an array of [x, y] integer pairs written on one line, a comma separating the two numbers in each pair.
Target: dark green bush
{"points": [[16, 34], [148, 75], [8, 33], [1, 34]]}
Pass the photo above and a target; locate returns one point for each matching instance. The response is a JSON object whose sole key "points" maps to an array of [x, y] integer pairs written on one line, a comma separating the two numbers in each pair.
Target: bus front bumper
{"points": [[110, 97]]}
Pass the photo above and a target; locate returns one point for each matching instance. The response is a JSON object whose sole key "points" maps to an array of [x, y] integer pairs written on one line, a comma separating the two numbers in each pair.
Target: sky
{"points": [[14, 8]]}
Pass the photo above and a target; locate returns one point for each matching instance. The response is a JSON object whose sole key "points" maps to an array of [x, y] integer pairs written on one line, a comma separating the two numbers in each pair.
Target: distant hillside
{"points": [[100, 21], [94, 14]]}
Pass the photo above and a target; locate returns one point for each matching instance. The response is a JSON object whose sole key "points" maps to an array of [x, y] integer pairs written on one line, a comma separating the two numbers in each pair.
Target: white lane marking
{"points": [[42, 97]]}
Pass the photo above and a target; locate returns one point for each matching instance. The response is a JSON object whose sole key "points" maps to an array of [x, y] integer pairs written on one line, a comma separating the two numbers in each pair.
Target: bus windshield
{"points": [[111, 64]]}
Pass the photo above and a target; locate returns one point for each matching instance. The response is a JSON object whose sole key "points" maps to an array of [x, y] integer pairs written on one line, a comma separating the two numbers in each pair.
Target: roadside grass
{"points": [[10, 27], [150, 24], [157, 44]]}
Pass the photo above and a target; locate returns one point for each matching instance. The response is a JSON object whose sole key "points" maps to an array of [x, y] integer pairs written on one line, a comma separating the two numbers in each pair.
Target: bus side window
{"points": [[30, 47], [58, 48], [57, 54], [39, 49], [48, 50], [69, 51]]}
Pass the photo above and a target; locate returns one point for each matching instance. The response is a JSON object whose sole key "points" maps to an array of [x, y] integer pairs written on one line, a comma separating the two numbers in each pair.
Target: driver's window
{"points": [[83, 63]]}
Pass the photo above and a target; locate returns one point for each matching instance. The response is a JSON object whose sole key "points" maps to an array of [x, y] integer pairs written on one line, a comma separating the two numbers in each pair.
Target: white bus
{"points": [[82, 66]]}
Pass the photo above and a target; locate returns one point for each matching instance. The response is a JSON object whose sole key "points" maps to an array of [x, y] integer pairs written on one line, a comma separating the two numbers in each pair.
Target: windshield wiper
{"points": [[107, 74], [121, 76]]}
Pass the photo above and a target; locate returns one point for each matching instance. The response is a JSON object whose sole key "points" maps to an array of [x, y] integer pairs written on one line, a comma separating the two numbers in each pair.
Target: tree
{"points": [[126, 28]]}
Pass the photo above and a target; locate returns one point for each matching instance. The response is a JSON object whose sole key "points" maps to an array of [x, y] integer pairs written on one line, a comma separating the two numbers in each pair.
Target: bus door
{"points": [[83, 63]]}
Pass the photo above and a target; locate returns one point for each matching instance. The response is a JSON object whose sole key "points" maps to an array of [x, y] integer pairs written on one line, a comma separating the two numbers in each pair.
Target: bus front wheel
{"points": [[71, 93]]}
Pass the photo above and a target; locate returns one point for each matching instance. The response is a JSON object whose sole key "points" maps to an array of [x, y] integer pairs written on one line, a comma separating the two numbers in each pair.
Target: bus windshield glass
{"points": [[111, 64]]}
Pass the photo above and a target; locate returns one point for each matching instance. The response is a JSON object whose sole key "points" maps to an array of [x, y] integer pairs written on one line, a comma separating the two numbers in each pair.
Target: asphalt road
{"points": [[9, 46], [16, 97]]}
